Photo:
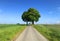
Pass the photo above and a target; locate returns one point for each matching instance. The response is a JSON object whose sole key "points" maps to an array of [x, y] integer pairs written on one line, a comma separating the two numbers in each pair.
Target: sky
{"points": [[12, 10]]}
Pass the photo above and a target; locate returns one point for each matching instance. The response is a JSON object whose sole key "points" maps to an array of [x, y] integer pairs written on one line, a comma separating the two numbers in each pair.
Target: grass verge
{"points": [[8, 32], [51, 32]]}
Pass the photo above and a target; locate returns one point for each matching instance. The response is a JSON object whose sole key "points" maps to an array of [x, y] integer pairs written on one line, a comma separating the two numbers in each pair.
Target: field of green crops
{"points": [[51, 32], [8, 31]]}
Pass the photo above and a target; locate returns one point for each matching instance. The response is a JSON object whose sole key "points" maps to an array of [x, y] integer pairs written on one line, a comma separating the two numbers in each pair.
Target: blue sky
{"points": [[11, 10]]}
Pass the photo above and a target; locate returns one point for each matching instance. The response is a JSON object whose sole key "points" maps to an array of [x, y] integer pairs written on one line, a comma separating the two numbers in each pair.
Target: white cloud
{"points": [[58, 22]]}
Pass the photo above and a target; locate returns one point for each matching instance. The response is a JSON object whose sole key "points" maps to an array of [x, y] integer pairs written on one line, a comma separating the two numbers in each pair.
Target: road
{"points": [[30, 34]]}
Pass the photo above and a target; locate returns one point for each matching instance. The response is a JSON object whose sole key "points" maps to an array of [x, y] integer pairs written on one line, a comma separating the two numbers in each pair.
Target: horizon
{"points": [[12, 10]]}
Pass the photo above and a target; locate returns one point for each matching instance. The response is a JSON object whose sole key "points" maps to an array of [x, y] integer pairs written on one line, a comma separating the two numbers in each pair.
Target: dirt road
{"points": [[30, 34]]}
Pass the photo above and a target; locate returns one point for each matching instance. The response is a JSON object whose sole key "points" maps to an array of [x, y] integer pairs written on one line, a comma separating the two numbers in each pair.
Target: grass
{"points": [[51, 32], [8, 31]]}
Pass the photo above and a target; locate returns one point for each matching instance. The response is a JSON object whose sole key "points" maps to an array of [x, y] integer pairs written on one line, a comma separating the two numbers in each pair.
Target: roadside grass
{"points": [[8, 31], [51, 32]]}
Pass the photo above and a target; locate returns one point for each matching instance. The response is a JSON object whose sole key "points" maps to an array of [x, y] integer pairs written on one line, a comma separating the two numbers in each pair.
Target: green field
{"points": [[51, 32], [9, 31]]}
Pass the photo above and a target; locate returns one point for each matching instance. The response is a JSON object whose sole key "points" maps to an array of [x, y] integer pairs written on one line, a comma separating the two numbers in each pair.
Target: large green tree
{"points": [[24, 17], [32, 15]]}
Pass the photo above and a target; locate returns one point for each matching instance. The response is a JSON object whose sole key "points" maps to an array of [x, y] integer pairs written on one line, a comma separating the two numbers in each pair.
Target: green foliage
{"points": [[52, 32], [18, 23], [31, 15], [24, 16], [8, 31]]}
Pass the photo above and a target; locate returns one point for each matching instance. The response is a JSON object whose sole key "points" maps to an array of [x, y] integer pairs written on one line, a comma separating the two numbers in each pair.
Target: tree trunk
{"points": [[32, 22], [26, 23]]}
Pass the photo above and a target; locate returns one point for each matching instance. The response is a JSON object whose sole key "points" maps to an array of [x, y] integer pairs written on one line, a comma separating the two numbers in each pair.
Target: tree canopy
{"points": [[31, 15]]}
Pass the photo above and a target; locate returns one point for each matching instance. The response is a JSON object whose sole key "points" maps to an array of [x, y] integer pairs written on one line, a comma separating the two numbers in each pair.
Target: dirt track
{"points": [[30, 34]]}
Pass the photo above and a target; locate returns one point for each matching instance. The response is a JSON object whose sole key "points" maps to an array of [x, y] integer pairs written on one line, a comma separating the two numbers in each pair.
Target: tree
{"points": [[24, 17], [18, 23], [32, 15]]}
